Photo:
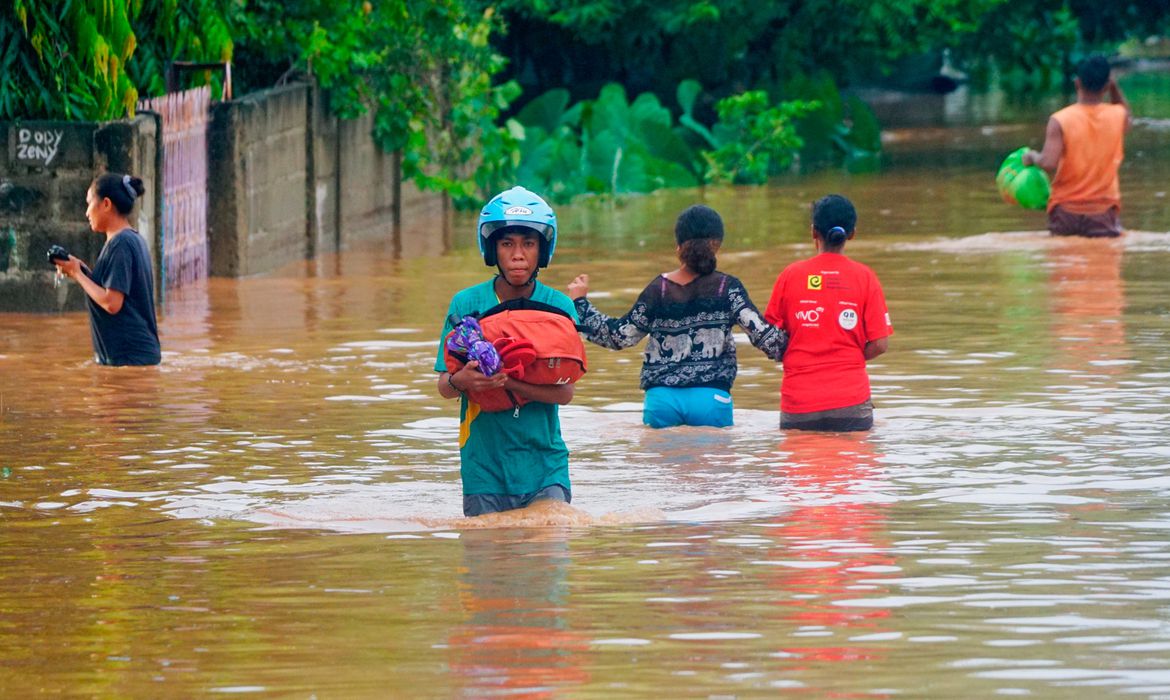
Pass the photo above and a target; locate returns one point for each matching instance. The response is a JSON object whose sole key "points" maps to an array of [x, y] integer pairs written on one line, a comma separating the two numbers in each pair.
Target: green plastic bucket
{"points": [[1025, 185]]}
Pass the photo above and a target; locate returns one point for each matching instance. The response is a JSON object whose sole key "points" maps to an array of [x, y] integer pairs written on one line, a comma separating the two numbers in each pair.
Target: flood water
{"points": [[274, 511]]}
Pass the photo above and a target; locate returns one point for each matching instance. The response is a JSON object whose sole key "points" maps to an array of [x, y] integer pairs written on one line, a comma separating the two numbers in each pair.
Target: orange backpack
{"points": [[559, 352]]}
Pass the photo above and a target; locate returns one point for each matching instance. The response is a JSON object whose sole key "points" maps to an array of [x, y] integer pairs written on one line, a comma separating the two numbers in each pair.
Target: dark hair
{"points": [[698, 231], [698, 222], [121, 189], [833, 218], [1093, 72], [699, 255]]}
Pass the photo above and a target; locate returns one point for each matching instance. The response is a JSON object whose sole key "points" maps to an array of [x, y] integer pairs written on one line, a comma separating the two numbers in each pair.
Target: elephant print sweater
{"points": [[689, 325]]}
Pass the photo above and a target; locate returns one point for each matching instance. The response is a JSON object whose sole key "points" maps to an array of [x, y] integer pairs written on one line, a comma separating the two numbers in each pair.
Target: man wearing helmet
{"points": [[509, 459]]}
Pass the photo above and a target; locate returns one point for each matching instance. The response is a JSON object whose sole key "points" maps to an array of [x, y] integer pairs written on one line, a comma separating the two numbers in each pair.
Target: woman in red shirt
{"points": [[835, 315]]}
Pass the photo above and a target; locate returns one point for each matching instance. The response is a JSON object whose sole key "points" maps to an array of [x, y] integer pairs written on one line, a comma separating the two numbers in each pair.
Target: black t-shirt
{"points": [[690, 329], [129, 337]]}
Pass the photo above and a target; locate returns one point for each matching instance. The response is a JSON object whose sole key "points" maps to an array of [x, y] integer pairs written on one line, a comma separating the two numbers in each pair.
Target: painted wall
{"points": [[286, 181], [45, 170]]}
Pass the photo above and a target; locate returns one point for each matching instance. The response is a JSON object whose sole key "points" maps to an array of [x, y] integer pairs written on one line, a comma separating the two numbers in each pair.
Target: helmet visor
{"points": [[488, 228]]}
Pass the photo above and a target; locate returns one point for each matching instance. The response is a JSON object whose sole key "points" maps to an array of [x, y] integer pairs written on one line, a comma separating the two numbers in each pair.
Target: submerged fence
{"points": [[185, 116]]}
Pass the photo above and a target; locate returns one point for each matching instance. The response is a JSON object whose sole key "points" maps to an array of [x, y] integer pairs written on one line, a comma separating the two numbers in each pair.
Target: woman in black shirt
{"points": [[689, 363], [120, 288]]}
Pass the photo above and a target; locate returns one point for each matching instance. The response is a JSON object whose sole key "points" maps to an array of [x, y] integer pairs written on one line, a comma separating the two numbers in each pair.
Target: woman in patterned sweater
{"points": [[689, 363]]}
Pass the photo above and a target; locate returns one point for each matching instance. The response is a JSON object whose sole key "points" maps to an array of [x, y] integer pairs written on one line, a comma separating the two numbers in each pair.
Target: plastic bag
{"points": [[1025, 185]]}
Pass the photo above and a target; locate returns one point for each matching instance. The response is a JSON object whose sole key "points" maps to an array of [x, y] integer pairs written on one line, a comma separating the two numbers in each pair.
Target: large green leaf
{"points": [[545, 111], [646, 109], [663, 143], [603, 157], [611, 112], [687, 92], [664, 173]]}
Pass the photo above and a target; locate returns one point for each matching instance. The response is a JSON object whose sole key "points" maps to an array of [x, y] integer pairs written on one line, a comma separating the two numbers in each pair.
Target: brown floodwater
{"points": [[274, 511]]}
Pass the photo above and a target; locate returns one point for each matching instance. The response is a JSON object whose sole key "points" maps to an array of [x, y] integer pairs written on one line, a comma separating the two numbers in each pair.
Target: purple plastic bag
{"points": [[467, 340], [485, 354], [465, 334]]}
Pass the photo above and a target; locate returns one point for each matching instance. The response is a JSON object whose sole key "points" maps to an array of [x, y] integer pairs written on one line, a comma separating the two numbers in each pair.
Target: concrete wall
{"points": [[256, 179], [368, 183], [287, 180], [45, 170]]}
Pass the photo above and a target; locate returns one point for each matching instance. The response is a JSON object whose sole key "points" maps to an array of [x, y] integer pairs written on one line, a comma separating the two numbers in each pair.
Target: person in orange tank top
{"points": [[1083, 149]]}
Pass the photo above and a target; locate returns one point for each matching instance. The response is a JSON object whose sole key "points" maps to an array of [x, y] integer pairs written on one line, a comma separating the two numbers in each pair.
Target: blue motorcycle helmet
{"points": [[518, 210]]}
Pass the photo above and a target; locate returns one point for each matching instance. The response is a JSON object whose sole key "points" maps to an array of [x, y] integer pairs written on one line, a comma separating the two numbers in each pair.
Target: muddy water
{"points": [[273, 511]]}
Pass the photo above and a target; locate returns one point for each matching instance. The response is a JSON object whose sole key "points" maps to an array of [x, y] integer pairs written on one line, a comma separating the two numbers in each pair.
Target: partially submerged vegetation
{"points": [[476, 95]]}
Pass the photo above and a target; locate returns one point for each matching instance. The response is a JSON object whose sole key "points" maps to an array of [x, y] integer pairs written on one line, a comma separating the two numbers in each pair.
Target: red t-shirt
{"points": [[831, 307]]}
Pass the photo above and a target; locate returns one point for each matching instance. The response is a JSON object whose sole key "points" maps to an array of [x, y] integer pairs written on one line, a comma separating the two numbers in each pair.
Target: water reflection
{"points": [[515, 637], [837, 546], [273, 510], [1088, 305]]}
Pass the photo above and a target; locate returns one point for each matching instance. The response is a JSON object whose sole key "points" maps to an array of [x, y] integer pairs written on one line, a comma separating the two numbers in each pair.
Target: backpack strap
{"points": [[524, 304]]}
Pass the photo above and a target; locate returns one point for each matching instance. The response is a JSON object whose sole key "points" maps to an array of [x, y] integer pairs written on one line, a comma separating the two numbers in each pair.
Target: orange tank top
{"points": [[1086, 179]]}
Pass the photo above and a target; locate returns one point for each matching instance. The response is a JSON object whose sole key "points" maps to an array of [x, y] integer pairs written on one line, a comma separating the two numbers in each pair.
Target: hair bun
{"points": [[134, 186]]}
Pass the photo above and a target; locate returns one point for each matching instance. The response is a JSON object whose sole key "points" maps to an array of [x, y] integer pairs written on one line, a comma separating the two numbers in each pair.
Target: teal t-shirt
{"points": [[502, 452]]}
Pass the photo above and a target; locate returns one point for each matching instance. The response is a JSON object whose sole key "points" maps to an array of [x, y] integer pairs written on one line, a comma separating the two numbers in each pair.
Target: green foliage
{"points": [[755, 139], [181, 30], [731, 46], [1027, 44], [1036, 43], [334, 42], [82, 59], [836, 131], [423, 67], [612, 146], [66, 60], [727, 45], [604, 146]]}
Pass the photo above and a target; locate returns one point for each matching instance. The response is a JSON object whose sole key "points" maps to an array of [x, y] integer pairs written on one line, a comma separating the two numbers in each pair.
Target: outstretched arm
{"points": [[612, 333], [772, 341]]}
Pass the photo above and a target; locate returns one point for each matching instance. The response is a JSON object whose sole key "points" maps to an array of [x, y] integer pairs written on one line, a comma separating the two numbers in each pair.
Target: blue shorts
{"points": [[483, 503], [697, 405]]}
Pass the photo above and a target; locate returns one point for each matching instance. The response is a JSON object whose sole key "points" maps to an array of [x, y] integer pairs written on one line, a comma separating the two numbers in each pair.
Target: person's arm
{"points": [[875, 319], [468, 378], [612, 333], [774, 311], [1049, 157], [1118, 98], [452, 384], [108, 299], [876, 347], [769, 339], [543, 393]]}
